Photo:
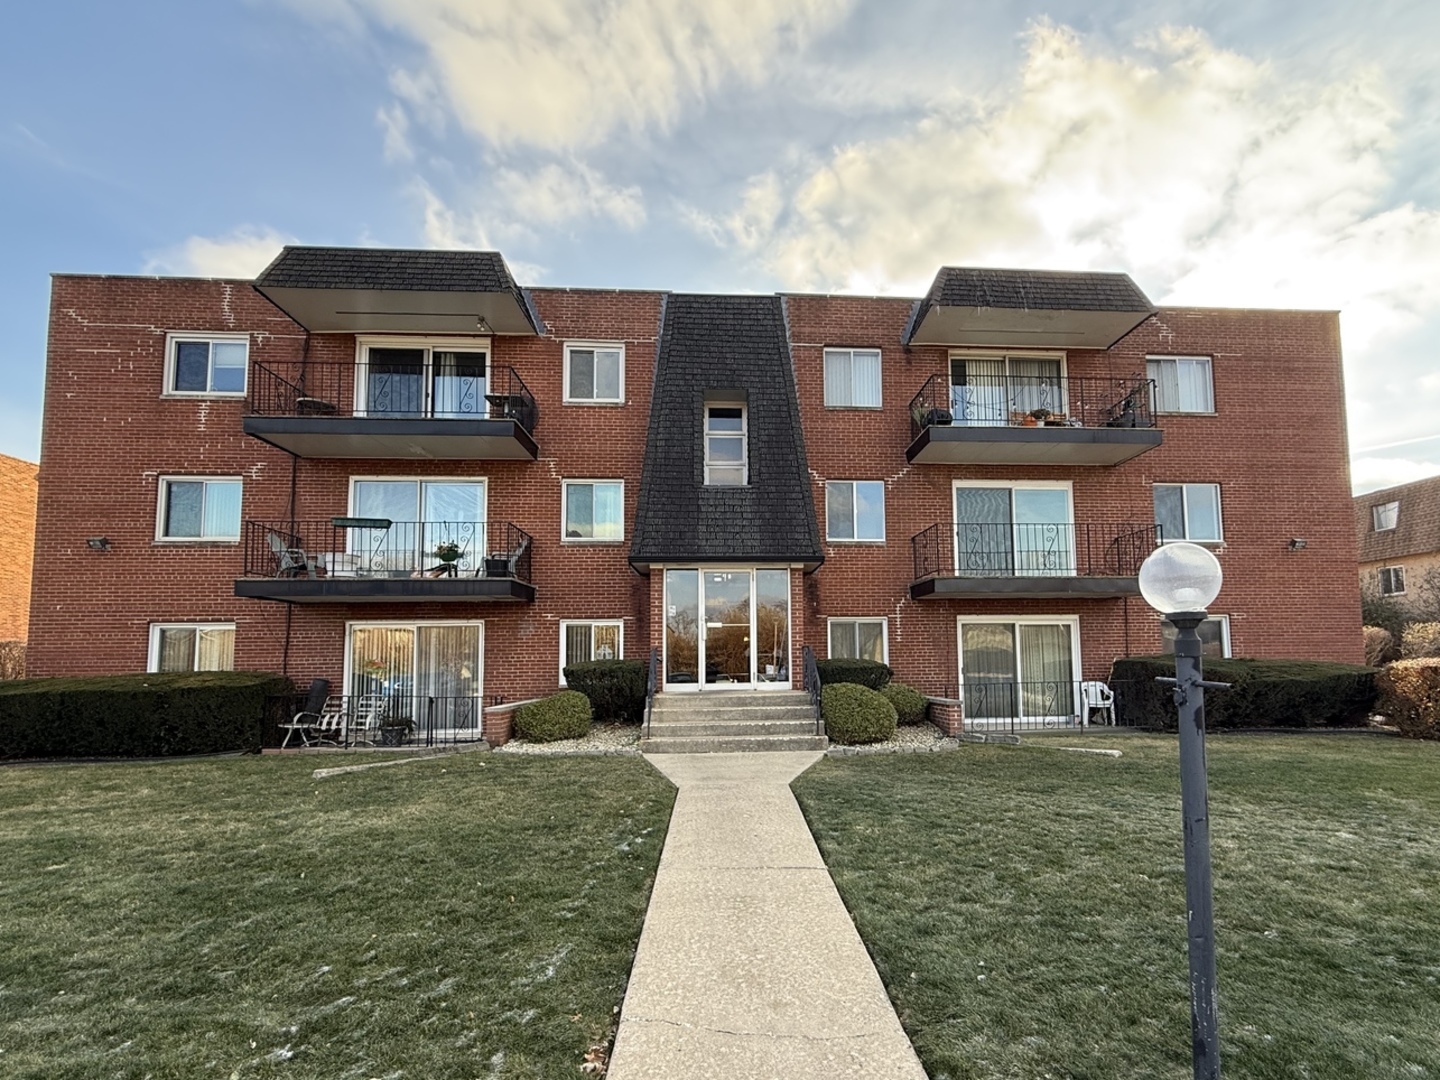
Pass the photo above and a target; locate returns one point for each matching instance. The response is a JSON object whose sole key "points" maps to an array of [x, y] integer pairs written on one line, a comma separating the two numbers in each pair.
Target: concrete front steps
{"points": [[732, 721]]}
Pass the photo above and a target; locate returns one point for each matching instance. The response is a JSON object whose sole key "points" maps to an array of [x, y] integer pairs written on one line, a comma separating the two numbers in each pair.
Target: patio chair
{"points": [[290, 561], [504, 564], [363, 727], [1098, 698], [303, 722]]}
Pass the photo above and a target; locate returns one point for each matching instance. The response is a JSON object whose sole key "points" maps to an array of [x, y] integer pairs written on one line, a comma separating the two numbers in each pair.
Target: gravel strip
{"points": [[604, 739], [908, 739]]}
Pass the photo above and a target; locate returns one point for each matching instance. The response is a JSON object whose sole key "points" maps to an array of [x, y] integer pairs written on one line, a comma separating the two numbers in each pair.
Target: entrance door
{"points": [[1018, 673], [727, 629], [429, 675]]}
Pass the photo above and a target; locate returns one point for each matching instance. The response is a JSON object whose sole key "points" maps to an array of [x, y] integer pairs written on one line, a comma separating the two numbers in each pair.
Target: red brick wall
{"points": [[17, 545]]}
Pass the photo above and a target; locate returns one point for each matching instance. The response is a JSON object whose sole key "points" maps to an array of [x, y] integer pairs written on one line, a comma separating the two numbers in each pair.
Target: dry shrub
{"points": [[1421, 639], [12, 659], [1410, 696], [1379, 646]]}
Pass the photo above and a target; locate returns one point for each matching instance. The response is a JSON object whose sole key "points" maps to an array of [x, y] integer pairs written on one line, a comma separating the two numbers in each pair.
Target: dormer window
{"points": [[1385, 516], [726, 460]]}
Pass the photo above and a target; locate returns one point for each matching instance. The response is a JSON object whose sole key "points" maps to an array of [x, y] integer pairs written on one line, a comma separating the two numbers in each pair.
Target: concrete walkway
{"points": [[749, 967]]}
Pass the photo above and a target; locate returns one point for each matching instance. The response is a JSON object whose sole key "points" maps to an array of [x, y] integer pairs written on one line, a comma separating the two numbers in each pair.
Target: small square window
{"points": [[192, 647], [581, 642], [1386, 516], [1188, 512], [1183, 384], [199, 508], [200, 364], [726, 461], [852, 378], [858, 639], [855, 510], [1214, 636], [594, 510], [1392, 580], [595, 374]]}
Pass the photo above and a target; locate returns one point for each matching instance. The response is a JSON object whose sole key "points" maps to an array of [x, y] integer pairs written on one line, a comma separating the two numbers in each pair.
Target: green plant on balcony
{"points": [[447, 552]]}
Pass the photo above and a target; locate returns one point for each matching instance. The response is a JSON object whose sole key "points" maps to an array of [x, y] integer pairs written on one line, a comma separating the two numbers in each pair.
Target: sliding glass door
{"points": [[1013, 531], [1019, 670], [999, 390], [422, 381], [429, 675], [425, 516]]}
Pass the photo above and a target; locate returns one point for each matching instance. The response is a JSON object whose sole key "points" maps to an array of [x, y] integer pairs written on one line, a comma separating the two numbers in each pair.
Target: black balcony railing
{"points": [[998, 703], [377, 547], [1061, 549], [388, 711], [391, 391], [1032, 401]]}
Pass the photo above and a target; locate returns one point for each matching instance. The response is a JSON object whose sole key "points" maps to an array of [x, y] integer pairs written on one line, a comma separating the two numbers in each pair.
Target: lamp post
{"points": [[1180, 581]]}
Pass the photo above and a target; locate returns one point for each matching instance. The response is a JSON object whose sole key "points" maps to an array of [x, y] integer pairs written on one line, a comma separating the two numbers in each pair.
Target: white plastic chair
{"points": [[1098, 698]]}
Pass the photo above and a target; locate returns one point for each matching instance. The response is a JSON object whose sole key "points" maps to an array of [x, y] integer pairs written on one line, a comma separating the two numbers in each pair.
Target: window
{"points": [[423, 378], [594, 509], [858, 639], [855, 510], [1188, 512], [206, 364], [852, 378], [1214, 636], [195, 508], [595, 374], [1385, 516], [726, 463], [581, 642], [1182, 383], [1392, 580], [192, 647]]}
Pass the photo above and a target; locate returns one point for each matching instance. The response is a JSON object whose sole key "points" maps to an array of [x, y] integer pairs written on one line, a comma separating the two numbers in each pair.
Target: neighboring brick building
{"points": [[1398, 532], [968, 481], [18, 483]]}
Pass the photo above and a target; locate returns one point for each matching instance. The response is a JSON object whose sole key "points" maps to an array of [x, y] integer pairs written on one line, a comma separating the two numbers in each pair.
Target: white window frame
{"points": [[347, 678], [850, 390], [1174, 359], [162, 487], [855, 523], [1072, 621], [566, 624], [744, 436], [1223, 620], [854, 620], [565, 509], [1185, 503], [364, 343], [615, 346], [152, 663], [1394, 572], [1389, 509], [174, 337]]}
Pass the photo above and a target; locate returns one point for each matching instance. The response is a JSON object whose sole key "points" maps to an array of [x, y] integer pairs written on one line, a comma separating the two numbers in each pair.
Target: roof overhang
{"points": [[401, 311], [1027, 328], [642, 564]]}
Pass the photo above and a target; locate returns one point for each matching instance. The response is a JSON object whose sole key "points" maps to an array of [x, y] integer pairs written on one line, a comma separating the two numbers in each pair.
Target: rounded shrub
{"points": [[856, 714], [910, 704], [616, 688], [565, 715], [869, 673]]}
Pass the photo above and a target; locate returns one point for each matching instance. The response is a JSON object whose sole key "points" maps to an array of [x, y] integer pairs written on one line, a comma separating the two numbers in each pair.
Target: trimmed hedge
{"points": [[1264, 693], [911, 705], [1420, 640], [565, 715], [136, 716], [1410, 696], [856, 714], [869, 673], [616, 688]]}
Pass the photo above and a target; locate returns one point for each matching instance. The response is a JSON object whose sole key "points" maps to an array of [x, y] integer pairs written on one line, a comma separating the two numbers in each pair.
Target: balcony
{"points": [[374, 560], [359, 410], [1026, 420], [1066, 560]]}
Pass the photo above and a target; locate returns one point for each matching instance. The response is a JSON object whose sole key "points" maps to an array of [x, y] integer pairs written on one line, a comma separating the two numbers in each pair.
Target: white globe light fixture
{"points": [[1180, 577]]}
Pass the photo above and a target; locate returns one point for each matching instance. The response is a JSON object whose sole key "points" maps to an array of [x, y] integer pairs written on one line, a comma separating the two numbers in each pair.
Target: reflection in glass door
{"points": [[772, 626], [682, 626], [728, 656]]}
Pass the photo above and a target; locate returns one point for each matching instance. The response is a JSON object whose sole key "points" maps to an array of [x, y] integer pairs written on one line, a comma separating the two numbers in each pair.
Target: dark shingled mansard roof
{"points": [[388, 268], [710, 344]]}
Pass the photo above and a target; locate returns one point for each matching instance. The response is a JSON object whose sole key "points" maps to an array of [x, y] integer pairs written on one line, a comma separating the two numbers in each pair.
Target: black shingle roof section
{"points": [[388, 268], [1044, 290], [710, 343]]}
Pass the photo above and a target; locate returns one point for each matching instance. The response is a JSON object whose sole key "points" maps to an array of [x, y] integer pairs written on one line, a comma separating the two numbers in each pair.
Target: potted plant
{"points": [[448, 552], [1040, 415]]}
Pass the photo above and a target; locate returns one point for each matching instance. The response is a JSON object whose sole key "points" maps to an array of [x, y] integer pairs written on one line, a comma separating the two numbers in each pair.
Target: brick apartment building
{"points": [[18, 485], [267, 474], [1398, 533]]}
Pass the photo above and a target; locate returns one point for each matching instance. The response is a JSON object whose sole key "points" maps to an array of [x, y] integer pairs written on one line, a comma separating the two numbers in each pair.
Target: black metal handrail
{"points": [[385, 710], [812, 685], [999, 703], [651, 671], [390, 391], [1031, 401], [377, 547], [1056, 549]]}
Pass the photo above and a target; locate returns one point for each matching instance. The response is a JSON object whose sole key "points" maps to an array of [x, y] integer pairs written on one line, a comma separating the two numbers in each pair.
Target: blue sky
{"points": [[1234, 154]]}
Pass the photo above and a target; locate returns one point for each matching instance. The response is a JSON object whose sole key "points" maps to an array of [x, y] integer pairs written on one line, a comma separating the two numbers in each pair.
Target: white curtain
{"points": [[1046, 686]]}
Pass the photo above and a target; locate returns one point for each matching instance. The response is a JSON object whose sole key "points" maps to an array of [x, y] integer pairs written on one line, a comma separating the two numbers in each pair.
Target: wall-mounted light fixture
{"points": [[98, 543], [1297, 544], [482, 326]]}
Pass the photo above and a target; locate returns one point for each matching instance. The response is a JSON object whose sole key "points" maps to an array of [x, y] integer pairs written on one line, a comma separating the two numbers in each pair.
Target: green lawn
{"points": [[464, 916], [1025, 906]]}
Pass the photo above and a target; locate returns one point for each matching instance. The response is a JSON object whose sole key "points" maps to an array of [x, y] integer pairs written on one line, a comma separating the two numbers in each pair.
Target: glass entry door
{"points": [[727, 628], [1018, 672]]}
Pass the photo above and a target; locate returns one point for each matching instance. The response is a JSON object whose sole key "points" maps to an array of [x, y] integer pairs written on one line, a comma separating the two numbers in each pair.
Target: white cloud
{"points": [[558, 194], [243, 253], [395, 126], [445, 227], [563, 74], [1373, 473]]}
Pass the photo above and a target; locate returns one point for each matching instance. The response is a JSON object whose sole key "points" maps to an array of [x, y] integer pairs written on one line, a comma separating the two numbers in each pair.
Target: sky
{"points": [[1240, 154]]}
